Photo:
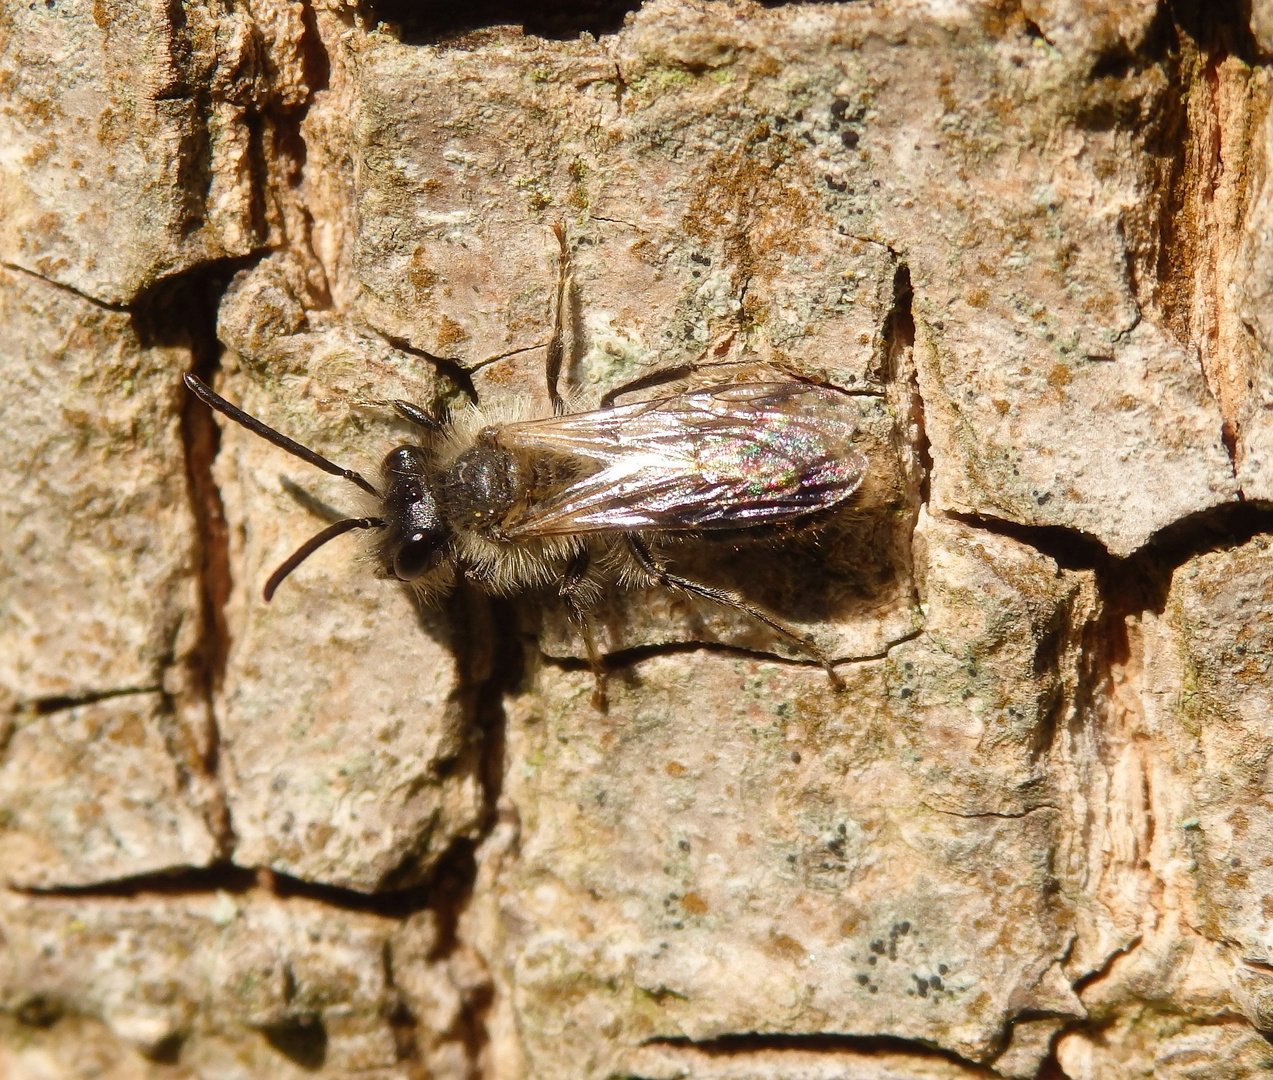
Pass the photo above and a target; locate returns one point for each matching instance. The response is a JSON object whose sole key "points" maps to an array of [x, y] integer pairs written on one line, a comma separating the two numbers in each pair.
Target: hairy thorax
{"points": [[487, 483]]}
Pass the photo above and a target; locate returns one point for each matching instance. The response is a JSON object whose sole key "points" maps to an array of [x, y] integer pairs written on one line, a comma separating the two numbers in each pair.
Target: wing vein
{"points": [[722, 458]]}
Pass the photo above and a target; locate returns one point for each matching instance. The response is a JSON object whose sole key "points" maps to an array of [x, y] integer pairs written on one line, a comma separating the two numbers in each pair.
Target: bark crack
{"points": [[1003, 814], [616, 221], [1103, 972], [1205, 166], [102, 304], [455, 25], [238, 880]]}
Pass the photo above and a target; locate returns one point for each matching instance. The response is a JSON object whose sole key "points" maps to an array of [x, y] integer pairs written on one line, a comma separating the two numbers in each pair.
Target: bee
{"points": [[509, 503]]}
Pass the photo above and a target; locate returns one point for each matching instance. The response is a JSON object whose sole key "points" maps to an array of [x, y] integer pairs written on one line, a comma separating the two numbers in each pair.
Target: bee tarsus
{"points": [[574, 596], [556, 344], [646, 561]]}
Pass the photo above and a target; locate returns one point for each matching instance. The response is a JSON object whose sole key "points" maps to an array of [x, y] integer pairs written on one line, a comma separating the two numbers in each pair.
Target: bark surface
{"points": [[343, 835]]}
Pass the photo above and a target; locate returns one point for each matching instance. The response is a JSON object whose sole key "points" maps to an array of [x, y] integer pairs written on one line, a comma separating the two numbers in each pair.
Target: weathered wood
{"points": [[337, 834]]}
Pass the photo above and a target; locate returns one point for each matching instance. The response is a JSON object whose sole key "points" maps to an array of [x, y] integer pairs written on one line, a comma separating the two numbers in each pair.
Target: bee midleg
{"points": [[573, 596], [556, 344], [726, 597], [416, 414]]}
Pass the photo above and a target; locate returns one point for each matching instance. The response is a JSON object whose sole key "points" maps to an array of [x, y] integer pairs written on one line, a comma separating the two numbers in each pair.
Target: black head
{"points": [[415, 536]]}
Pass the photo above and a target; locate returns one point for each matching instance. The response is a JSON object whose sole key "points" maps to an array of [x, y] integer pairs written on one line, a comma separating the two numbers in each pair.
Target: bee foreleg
{"points": [[556, 344], [727, 598], [574, 595]]}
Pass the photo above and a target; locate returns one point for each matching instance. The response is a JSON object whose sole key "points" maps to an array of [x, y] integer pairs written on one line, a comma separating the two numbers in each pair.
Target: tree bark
{"points": [[342, 833]]}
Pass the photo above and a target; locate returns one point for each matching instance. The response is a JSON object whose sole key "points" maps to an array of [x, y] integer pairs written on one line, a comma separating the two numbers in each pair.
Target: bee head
{"points": [[415, 536]]}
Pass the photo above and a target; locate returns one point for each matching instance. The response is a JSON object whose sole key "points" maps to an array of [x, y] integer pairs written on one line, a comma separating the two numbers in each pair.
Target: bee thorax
{"points": [[480, 487]]}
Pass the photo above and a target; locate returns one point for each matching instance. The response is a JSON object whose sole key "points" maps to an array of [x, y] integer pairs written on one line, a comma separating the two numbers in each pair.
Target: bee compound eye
{"points": [[418, 554]]}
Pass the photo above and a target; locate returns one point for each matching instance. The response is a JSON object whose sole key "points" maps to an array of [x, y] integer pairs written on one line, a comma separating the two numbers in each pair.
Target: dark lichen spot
{"points": [[302, 1040], [39, 1011]]}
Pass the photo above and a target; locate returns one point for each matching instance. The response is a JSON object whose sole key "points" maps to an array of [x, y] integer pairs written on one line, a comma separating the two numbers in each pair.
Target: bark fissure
{"points": [[491, 625], [1092, 977], [1205, 145], [202, 439], [457, 27], [616, 221], [182, 310], [448, 883]]}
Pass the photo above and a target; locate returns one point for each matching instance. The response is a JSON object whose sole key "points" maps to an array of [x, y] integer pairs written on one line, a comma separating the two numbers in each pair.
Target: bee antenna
{"points": [[213, 400], [313, 544]]}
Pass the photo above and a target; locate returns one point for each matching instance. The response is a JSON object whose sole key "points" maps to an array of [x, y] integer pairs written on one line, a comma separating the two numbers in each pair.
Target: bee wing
{"points": [[723, 458]]}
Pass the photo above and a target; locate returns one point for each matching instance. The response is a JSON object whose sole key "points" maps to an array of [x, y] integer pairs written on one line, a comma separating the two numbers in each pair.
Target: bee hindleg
{"points": [[572, 594], [727, 598], [556, 344]]}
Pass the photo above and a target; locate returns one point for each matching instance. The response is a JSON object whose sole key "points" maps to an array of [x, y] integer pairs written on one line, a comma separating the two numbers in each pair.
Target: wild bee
{"points": [[509, 503]]}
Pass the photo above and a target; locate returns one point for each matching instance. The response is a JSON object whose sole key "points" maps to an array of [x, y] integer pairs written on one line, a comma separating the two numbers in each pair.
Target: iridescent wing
{"points": [[728, 457]]}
